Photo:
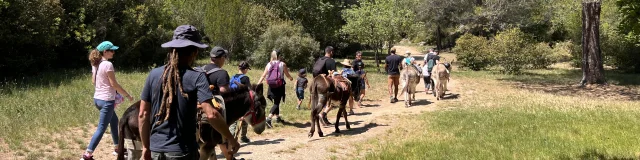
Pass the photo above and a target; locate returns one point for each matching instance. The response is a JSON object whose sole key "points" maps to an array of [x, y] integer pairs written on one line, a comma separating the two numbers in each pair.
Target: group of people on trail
{"points": [[174, 93], [394, 64]]}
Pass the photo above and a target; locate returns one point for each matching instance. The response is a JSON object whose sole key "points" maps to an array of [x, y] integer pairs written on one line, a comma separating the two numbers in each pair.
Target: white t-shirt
{"points": [[280, 68], [425, 70], [103, 88]]}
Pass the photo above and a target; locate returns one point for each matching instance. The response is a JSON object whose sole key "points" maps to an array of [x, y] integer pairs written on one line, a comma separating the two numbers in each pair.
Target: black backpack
{"points": [[319, 66]]}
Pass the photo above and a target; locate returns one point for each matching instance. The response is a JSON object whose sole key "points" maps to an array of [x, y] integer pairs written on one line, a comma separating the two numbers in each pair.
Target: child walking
{"points": [[301, 85]]}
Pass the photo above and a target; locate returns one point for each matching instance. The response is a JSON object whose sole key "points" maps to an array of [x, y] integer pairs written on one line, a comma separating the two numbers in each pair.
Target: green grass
{"points": [[492, 120]]}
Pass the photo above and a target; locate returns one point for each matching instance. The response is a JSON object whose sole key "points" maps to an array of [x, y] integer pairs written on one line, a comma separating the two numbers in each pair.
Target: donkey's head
{"points": [[257, 115]]}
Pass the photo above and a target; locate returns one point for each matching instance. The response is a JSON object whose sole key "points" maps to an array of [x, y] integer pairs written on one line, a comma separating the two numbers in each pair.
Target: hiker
{"points": [[364, 83], [301, 85], [274, 73], [170, 96], [241, 78], [357, 62], [107, 88], [431, 60], [322, 66], [352, 78], [410, 61], [393, 65]]}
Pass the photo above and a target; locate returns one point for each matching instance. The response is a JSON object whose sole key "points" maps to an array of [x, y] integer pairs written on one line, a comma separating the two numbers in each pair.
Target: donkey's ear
{"points": [[258, 88]]}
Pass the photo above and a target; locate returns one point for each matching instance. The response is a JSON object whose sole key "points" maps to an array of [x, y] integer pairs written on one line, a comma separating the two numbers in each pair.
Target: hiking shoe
{"points": [[395, 100], [391, 100], [269, 123], [298, 108], [87, 157], [244, 139]]}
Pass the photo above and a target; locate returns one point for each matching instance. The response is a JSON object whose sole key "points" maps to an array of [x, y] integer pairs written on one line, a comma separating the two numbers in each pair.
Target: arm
{"points": [[295, 85], [286, 71], [264, 74], [114, 84], [143, 123]]}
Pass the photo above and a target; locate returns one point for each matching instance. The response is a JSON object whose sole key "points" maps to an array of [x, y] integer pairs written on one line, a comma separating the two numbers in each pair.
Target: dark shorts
{"points": [[300, 93]]}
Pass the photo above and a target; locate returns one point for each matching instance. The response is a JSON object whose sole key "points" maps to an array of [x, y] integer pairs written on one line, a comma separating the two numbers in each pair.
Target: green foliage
{"points": [[630, 25], [472, 52], [541, 56], [509, 50], [296, 47]]}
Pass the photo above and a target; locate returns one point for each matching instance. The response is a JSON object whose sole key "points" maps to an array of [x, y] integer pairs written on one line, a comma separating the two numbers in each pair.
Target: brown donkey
{"points": [[323, 91]]}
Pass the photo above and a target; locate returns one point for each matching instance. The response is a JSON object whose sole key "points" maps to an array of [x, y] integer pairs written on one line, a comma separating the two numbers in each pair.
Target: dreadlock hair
{"points": [[170, 79]]}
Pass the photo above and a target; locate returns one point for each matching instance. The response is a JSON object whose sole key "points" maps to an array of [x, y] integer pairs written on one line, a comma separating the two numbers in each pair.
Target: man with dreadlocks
{"points": [[169, 103]]}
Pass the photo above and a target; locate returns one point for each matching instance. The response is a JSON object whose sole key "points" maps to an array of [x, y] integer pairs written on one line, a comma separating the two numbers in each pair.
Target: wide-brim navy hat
{"points": [[185, 35]]}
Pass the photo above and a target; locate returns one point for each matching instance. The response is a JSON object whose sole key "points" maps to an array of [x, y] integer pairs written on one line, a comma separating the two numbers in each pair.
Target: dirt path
{"points": [[369, 122]]}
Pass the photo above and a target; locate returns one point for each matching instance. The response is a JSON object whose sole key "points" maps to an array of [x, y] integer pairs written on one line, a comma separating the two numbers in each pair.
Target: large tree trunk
{"points": [[592, 69]]}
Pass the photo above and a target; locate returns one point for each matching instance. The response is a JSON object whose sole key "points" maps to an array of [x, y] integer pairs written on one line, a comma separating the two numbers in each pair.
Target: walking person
{"points": [[364, 83], [393, 65], [431, 60], [107, 89], [301, 85], [170, 97], [274, 73], [244, 80]]}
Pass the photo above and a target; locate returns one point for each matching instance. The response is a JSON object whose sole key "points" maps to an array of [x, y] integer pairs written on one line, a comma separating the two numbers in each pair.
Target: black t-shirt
{"points": [[356, 64], [329, 64], [219, 78], [302, 82], [393, 62], [177, 134], [431, 56]]}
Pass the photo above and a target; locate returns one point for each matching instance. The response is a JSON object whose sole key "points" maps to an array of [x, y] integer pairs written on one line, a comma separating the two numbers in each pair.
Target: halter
{"points": [[252, 110]]}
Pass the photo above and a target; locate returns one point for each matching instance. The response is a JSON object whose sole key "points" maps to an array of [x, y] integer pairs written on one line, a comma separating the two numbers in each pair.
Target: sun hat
{"points": [[106, 45], [218, 51], [185, 35], [244, 65], [407, 52], [346, 62]]}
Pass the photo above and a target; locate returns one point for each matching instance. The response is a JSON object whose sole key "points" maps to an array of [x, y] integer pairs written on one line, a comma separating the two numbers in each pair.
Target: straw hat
{"points": [[346, 62]]}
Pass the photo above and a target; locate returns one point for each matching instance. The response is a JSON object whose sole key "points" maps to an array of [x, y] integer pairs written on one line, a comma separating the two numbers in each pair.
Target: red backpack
{"points": [[274, 78]]}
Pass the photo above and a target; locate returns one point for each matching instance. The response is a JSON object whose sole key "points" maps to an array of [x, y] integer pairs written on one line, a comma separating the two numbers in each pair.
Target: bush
{"points": [[562, 51], [297, 48], [472, 52], [509, 51], [540, 55]]}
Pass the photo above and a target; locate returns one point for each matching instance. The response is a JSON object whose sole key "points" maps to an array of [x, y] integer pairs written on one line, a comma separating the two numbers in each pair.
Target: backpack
{"points": [[430, 64], [237, 78], [319, 66], [275, 77]]}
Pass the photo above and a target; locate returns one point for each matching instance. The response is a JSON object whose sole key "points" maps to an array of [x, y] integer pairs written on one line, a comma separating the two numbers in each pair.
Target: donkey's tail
{"points": [[121, 127]]}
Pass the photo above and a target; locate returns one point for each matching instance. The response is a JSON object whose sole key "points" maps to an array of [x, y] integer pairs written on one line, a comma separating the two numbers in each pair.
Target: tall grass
{"points": [[492, 120]]}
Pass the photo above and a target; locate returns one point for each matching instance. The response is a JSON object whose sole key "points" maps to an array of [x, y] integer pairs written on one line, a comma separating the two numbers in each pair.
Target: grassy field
{"points": [[496, 119], [36, 109]]}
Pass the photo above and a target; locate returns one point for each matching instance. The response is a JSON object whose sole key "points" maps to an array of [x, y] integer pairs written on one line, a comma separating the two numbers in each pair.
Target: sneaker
{"points": [[279, 120], [298, 108], [86, 157], [269, 123], [391, 100], [395, 100], [245, 139]]}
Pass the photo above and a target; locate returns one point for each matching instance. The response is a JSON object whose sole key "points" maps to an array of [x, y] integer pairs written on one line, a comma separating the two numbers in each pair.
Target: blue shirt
{"points": [[178, 133], [347, 71]]}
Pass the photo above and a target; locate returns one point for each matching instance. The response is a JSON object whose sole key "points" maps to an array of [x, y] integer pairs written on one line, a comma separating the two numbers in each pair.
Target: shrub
{"points": [[472, 52], [508, 50], [540, 55], [297, 48], [562, 51]]}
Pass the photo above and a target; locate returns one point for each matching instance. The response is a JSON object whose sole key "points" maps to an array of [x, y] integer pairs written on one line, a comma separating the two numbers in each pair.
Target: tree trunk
{"points": [[438, 38], [376, 57], [592, 67]]}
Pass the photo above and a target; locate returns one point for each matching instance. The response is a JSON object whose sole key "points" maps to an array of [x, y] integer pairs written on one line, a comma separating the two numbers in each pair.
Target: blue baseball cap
{"points": [[106, 45], [185, 35]]}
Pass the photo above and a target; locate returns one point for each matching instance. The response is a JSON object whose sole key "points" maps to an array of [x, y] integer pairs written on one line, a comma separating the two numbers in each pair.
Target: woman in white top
{"points": [[274, 72], [104, 81]]}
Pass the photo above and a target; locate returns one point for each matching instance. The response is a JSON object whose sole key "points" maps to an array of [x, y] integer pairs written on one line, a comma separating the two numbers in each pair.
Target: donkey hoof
{"points": [[311, 135], [348, 127], [320, 134], [337, 131]]}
